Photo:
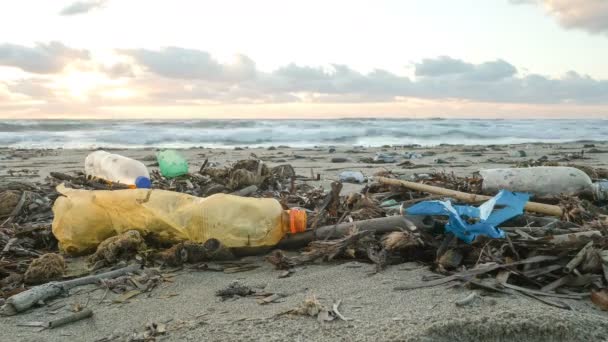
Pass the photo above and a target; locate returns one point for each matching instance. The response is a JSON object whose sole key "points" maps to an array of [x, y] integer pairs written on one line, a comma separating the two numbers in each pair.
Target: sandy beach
{"points": [[187, 305], [316, 171]]}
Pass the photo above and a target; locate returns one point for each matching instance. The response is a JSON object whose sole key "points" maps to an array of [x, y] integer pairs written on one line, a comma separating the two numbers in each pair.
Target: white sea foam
{"points": [[296, 133]]}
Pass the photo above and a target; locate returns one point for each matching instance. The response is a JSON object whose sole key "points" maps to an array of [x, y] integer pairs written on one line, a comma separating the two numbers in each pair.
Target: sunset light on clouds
{"points": [[136, 59]]}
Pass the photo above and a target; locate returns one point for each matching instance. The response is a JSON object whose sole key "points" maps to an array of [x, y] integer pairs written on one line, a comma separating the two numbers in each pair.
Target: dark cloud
{"points": [[81, 7], [42, 58], [588, 15]]}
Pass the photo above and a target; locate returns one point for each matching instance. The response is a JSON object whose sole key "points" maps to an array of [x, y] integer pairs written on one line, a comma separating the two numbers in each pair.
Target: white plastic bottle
{"points": [[542, 181], [117, 169]]}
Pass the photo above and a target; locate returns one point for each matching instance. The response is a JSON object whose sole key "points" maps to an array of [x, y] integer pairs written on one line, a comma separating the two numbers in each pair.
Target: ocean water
{"points": [[295, 133]]}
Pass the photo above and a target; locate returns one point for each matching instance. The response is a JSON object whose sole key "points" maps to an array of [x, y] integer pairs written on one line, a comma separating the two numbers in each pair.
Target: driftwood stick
{"points": [[542, 208], [580, 256], [203, 166], [17, 208], [19, 205], [574, 238], [475, 272], [331, 199], [244, 192], [335, 308], [86, 313], [556, 283], [467, 300], [378, 225], [26, 299], [9, 245], [89, 182]]}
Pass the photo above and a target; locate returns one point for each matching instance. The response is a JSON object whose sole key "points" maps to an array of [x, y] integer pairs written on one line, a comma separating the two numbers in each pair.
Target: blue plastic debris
{"points": [[513, 204]]}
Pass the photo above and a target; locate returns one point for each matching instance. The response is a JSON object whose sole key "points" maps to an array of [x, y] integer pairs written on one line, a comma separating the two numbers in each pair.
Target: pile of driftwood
{"points": [[555, 251], [560, 254]]}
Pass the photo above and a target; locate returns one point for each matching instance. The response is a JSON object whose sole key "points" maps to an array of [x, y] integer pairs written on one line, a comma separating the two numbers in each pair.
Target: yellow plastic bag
{"points": [[84, 218]]}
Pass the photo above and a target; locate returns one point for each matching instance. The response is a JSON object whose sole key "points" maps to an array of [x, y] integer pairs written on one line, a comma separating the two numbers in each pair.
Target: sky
{"points": [[306, 59]]}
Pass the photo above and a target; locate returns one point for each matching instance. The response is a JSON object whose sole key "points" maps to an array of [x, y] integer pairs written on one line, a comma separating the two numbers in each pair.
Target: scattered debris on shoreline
{"points": [[548, 258]]}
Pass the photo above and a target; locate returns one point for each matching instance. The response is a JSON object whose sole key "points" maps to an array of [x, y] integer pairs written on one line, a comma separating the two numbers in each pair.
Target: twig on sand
{"points": [[26, 299], [335, 308]]}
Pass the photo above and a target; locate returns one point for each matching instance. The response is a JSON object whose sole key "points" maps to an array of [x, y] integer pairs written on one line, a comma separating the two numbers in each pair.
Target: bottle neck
{"points": [[599, 191]]}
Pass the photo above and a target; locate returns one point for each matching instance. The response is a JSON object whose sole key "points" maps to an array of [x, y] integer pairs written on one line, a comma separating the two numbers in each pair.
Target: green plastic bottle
{"points": [[172, 164]]}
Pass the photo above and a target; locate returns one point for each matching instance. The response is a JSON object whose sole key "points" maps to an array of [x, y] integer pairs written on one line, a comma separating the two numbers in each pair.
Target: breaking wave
{"points": [[295, 133]]}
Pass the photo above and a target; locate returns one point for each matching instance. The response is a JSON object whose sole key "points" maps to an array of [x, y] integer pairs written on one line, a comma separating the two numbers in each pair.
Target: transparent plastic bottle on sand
{"points": [[172, 164], [117, 169], [84, 218]]}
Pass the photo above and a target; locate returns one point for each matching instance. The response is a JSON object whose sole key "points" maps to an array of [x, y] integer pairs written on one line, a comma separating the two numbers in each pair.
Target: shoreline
{"points": [[460, 159]]}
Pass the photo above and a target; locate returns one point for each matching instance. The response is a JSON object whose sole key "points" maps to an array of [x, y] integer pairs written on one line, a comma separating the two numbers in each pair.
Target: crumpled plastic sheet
{"points": [[488, 219]]}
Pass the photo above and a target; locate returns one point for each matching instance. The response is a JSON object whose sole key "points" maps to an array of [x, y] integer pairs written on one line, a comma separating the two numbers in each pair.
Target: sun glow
{"points": [[119, 93], [81, 85]]}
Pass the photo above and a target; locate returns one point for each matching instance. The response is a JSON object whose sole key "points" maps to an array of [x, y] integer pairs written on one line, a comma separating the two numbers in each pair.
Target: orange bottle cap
{"points": [[297, 221]]}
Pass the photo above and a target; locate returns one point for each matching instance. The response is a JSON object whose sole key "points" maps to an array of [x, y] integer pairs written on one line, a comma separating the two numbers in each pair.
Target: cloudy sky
{"points": [[411, 58]]}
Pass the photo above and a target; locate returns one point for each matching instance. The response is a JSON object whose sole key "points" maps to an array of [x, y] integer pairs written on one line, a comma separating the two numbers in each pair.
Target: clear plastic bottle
{"points": [[117, 169], [84, 218]]}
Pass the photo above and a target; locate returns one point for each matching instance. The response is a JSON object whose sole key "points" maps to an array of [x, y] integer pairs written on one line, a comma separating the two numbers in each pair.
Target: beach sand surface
{"points": [[191, 311]]}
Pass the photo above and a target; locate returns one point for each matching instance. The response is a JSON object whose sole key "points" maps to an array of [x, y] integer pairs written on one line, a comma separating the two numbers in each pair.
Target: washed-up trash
{"points": [[412, 155], [542, 181], [420, 176], [115, 168], [352, 177], [248, 172], [488, 220], [312, 307], [85, 218], [600, 190], [389, 203], [172, 164], [235, 289], [384, 158], [517, 154]]}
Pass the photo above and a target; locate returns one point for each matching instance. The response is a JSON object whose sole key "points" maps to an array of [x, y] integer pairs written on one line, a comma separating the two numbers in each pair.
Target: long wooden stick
{"points": [[377, 225], [26, 299], [75, 317], [542, 208]]}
